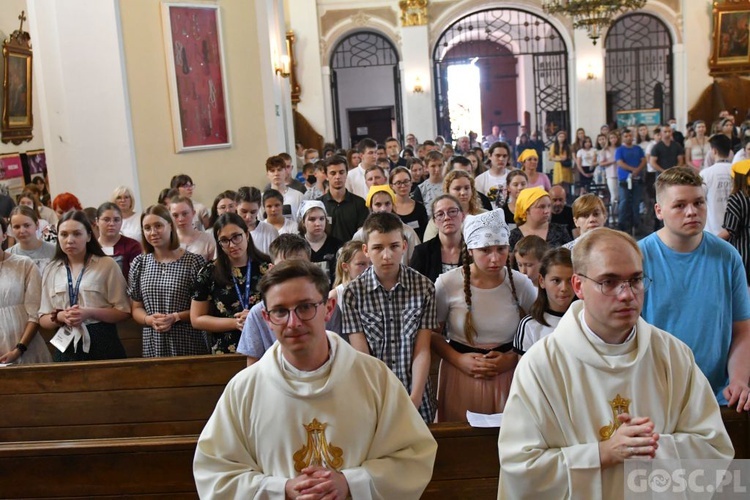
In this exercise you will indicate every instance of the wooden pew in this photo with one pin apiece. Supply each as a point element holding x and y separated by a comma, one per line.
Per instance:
<point>112,399</point>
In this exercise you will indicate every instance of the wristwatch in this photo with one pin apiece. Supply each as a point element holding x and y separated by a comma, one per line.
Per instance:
<point>22,347</point>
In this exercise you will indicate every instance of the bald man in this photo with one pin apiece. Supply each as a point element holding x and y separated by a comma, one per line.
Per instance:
<point>644,395</point>
<point>561,212</point>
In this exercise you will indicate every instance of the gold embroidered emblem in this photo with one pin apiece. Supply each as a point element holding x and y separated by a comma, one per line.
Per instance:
<point>318,451</point>
<point>619,406</point>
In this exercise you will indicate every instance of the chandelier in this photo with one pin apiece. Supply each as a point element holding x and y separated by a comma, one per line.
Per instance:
<point>592,15</point>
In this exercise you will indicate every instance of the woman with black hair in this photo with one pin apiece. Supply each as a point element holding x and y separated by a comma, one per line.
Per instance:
<point>227,287</point>
<point>83,295</point>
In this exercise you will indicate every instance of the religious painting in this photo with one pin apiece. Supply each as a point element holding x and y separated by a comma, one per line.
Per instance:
<point>17,121</point>
<point>731,47</point>
<point>197,83</point>
<point>37,161</point>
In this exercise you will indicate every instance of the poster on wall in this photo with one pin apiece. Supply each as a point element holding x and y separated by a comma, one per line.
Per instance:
<point>635,117</point>
<point>11,173</point>
<point>195,71</point>
<point>10,167</point>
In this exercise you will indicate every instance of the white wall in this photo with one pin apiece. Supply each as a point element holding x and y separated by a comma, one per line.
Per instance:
<point>83,100</point>
<point>363,88</point>
<point>9,12</point>
<point>419,108</point>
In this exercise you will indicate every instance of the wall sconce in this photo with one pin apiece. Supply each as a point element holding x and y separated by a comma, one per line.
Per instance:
<point>283,67</point>
<point>590,75</point>
<point>418,86</point>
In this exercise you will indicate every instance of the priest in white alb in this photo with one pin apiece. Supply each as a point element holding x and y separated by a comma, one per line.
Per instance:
<point>313,418</point>
<point>604,387</point>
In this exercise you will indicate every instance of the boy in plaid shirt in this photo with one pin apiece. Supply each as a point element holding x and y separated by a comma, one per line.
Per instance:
<point>389,310</point>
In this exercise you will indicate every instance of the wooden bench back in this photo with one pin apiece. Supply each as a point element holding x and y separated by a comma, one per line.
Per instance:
<point>112,399</point>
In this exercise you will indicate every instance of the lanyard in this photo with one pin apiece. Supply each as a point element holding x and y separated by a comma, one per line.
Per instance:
<point>244,300</point>
<point>73,292</point>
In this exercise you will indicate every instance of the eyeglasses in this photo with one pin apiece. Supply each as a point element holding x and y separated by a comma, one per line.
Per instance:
<point>401,183</point>
<point>612,288</point>
<point>305,312</point>
<point>451,213</point>
<point>187,186</point>
<point>110,220</point>
<point>235,239</point>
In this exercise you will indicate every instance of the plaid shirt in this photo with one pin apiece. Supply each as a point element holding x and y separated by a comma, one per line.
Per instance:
<point>390,321</point>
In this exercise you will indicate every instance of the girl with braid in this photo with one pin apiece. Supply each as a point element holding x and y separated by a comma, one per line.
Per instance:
<point>479,307</point>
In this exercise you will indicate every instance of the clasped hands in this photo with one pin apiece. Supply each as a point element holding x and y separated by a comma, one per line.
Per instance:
<point>486,365</point>
<point>317,483</point>
<point>635,438</point>
<point>160,322</point>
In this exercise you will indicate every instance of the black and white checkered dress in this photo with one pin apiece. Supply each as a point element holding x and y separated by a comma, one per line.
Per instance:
<point>167,288</point>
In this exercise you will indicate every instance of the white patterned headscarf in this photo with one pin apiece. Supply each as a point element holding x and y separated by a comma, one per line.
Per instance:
<point>308,205</point>
<point>486,230</point>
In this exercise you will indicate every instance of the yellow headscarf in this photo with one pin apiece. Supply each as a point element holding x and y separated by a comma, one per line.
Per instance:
<point>741,167</point>
<point>526,198</point>
<point>377,189</point>
<point>527,153</point>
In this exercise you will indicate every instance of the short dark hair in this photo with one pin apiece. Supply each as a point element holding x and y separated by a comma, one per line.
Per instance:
<point>391,139</point>
<point>382,223</point>
<point>287,244</point>
<point>285,156</point>
<point>461,160</point>
<point>272,194</point>
<point>429,143</point>
<point>291,269</point>
<point>274,162</point>
<point>366,143</point>
<point>721,143</point>
<point>180,180</point>
<point>336,160</point>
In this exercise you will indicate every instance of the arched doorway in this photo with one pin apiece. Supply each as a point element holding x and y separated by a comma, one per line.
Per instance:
<point>639,66</point>
<point>523,72</point>
<point>366,89</point>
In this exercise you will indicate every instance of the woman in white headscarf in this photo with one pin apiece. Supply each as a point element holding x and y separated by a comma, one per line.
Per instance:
<point>479,305</point>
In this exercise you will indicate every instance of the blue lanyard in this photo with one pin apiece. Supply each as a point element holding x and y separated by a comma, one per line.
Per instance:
<point>73,292</point>
<point>244,300</point>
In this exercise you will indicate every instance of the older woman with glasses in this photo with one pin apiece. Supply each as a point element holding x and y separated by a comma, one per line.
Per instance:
<point>411,212</point>
<point>227,288</point>
<point>533,212</point>
<point>438,255</point>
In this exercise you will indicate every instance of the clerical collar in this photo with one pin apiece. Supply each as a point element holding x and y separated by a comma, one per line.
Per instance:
<point>302,374</point>
<point>596,338</point>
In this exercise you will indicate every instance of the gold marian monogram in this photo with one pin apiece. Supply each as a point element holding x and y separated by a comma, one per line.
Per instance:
<point>318,451</point>
<point>619,406</point>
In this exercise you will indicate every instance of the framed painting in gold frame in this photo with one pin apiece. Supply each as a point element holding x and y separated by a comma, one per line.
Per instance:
<point>18,120</point>
<point>730,54</point>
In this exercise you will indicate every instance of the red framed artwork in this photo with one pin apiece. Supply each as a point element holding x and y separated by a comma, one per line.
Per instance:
<point>195,70</point>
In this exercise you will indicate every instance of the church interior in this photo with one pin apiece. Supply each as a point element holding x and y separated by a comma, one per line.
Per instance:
<point>103,106</point>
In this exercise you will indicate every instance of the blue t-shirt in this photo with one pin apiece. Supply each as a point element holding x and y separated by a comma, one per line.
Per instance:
<point>632,157</point>
<point>696,297</point>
